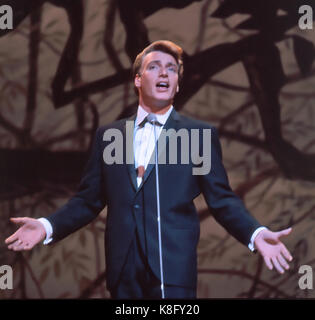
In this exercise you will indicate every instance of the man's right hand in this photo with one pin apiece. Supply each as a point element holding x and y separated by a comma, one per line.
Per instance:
<point>30,233</point>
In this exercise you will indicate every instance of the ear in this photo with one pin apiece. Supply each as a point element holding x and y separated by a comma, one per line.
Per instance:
<point>177,88</point>
<point>138,80</point>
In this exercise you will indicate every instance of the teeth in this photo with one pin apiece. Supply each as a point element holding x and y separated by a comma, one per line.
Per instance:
<point>162,84</point>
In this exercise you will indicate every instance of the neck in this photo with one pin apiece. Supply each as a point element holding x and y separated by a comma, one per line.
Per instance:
<point>157,109</point>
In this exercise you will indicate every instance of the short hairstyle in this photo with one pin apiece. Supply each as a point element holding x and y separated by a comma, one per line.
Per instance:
<point>164,46</point>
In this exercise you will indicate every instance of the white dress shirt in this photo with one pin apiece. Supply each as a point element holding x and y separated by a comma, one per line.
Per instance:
<point>143,148</point>
<point>144,143</point>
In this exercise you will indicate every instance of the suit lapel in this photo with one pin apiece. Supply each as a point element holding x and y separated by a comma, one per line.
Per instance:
<point>130,166</point>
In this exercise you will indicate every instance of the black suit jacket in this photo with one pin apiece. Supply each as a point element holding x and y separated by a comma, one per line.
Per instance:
<point>132,209</point>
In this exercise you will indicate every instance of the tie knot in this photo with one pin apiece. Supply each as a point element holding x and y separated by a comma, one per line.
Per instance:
<point>150,120</point>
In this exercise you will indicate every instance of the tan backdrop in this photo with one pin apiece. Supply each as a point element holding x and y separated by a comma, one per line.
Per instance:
<point>258,170</point>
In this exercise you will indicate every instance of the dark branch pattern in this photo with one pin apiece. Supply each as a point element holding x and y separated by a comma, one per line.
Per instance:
<point>31,168</point>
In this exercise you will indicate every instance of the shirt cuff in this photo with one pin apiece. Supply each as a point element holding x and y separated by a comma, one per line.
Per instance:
<point>251,245</point>
<point>48,228</point>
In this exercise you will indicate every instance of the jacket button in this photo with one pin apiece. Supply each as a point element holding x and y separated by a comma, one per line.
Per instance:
<point>136,206</point>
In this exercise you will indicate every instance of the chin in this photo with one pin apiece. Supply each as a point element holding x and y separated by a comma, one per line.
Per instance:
<point>160,102</point>
<point>166,97</point>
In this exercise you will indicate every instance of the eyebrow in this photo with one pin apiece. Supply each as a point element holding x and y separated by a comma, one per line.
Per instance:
<point>159,62</point>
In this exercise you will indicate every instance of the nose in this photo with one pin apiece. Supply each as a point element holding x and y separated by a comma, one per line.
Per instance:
<point>163,72</point>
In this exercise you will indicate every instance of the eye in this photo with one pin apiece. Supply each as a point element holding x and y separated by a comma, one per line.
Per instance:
<point>152,67</point>
<point>173,69</point>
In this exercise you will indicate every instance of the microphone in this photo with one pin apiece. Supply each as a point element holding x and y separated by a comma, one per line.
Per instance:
<point>153,120</point>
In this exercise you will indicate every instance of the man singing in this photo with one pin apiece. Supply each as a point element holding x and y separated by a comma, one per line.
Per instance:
<point>138,265</point>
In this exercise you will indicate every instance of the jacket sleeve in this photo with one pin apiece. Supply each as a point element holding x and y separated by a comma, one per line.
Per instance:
<point>88,201</point>
<point>226,207</point>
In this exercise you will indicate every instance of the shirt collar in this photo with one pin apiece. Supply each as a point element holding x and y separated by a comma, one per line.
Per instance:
<point>141,114</point>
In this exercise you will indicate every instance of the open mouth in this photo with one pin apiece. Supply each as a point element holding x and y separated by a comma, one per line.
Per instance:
<point>162,85</point>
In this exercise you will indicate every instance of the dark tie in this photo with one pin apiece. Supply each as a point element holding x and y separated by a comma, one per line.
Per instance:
<point>140,171</point>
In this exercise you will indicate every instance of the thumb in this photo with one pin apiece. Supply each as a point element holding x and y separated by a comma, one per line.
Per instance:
<point>19,221</point>
<point>284,232</point>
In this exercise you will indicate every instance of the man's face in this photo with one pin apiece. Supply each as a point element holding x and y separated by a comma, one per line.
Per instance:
<point>158,79</point>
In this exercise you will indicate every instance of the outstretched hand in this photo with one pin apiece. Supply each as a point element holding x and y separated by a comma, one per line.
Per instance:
<point>30,233</point>
<point>274,252</point>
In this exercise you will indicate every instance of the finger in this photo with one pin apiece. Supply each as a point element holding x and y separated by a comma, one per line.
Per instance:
<point>283,262</point>
<point>12,238</point>
<point>27,246</point>
<point>285,252</point>
<point>277,265</point>
<point>16,244</point>
<point>268,263</point>
<point>20,246</point>
<point>11,245</point>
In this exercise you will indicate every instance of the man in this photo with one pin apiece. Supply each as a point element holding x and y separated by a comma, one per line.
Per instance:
<point>136,261</point>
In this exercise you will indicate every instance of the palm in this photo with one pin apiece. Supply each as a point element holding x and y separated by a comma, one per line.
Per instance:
<point>30,233</point>
<point>274,252</point>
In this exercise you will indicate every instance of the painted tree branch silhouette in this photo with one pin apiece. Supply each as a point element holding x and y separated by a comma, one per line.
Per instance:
<point>25,171</point>
<point>259,54</point>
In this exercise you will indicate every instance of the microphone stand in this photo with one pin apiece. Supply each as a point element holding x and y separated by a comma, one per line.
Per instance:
<point>153,120</point>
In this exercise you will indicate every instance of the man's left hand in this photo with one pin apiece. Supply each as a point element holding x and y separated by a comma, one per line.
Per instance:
<point>273,250</point>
